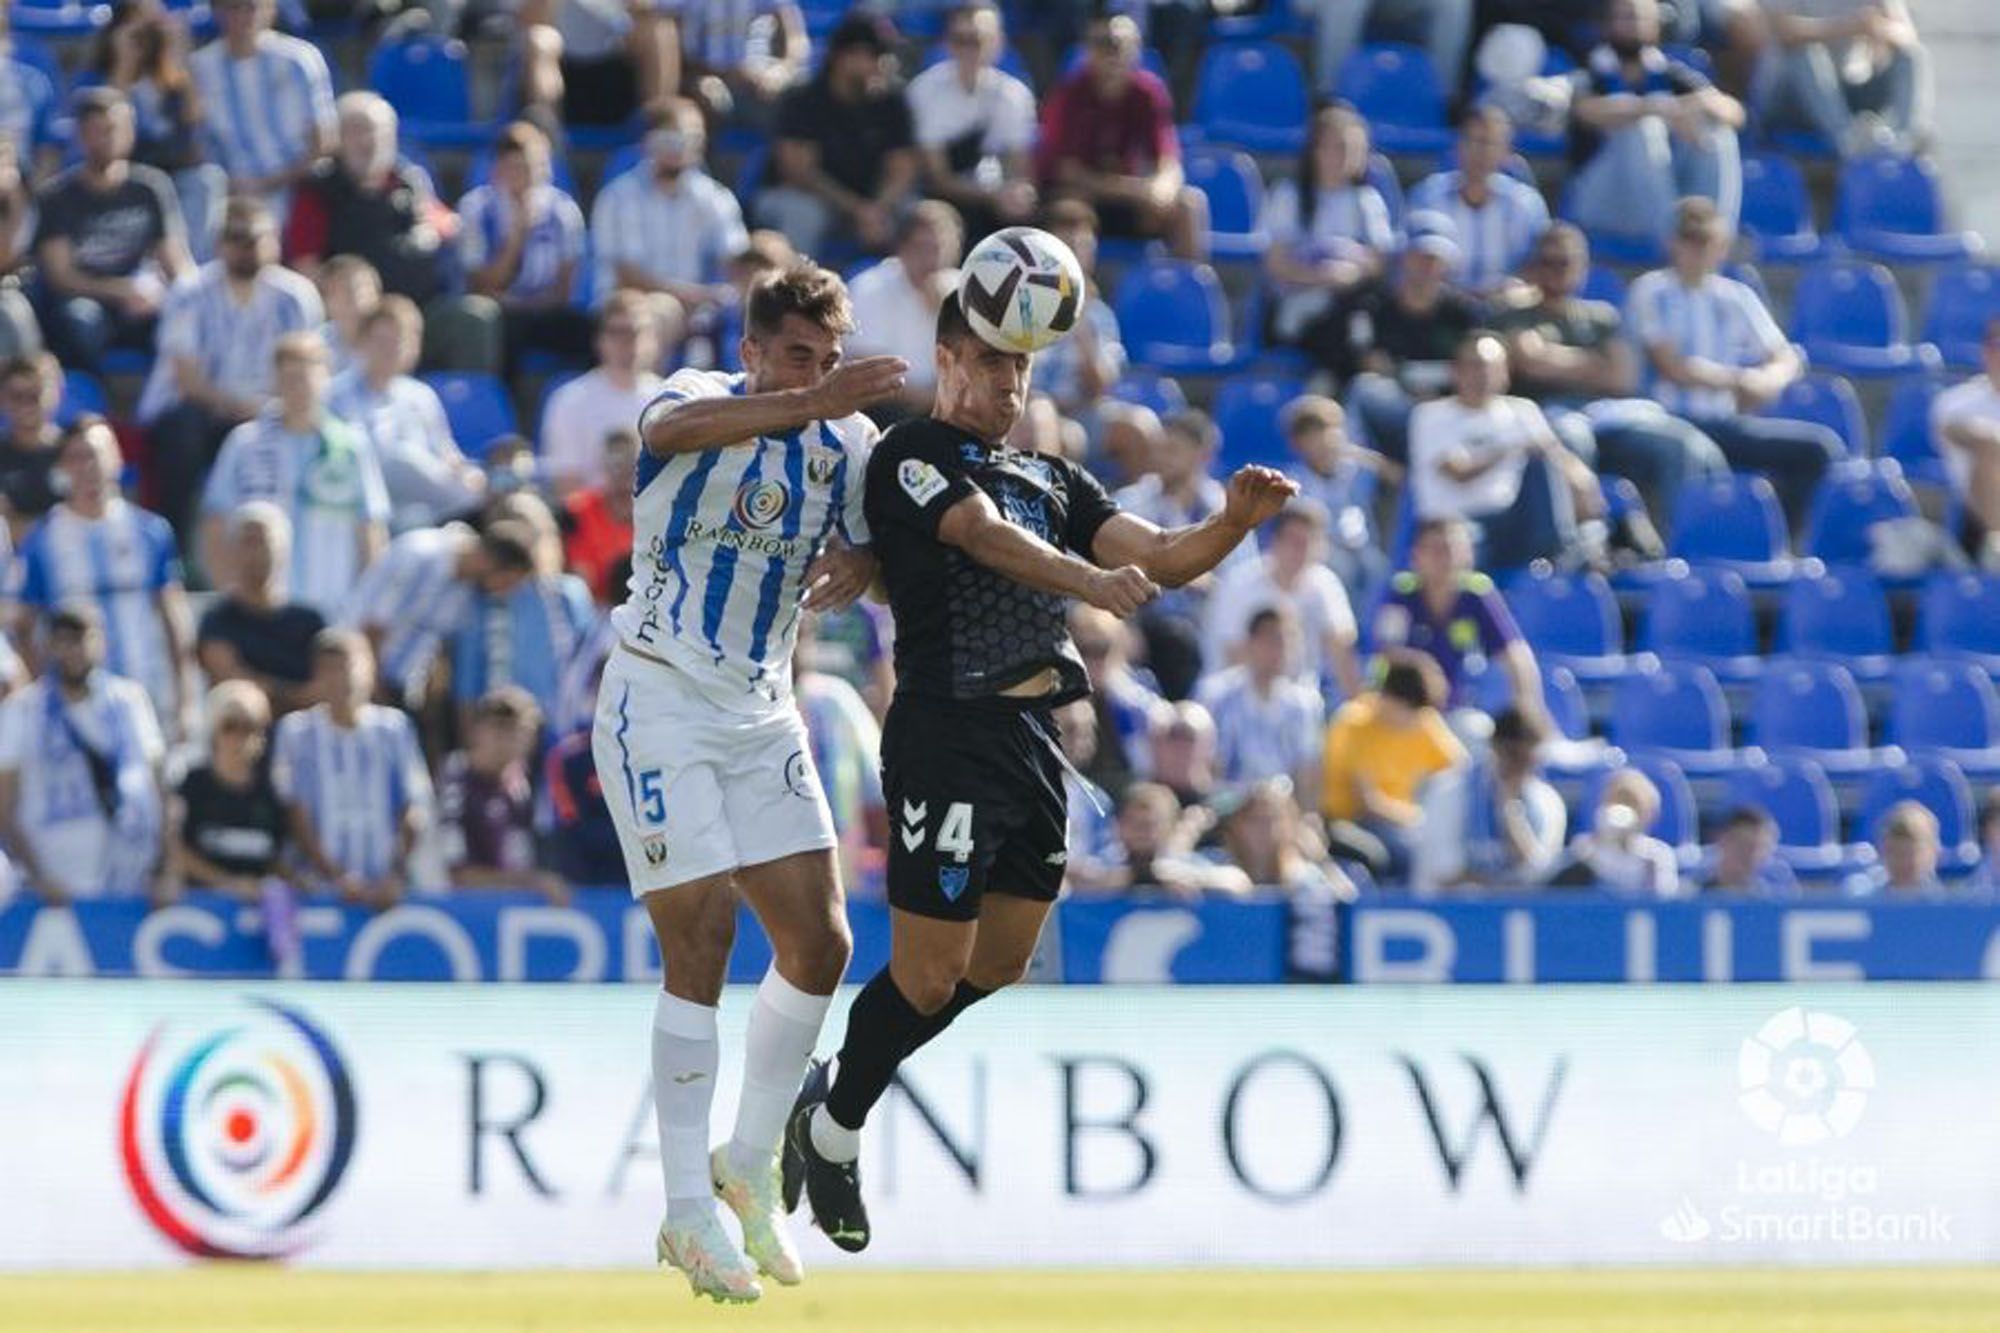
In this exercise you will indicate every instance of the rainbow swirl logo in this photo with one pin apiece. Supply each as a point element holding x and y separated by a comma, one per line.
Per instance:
<point>233,1139</point>
<point>759,504</point>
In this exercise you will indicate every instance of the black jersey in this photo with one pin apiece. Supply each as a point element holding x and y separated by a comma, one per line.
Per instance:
<point>963,631</point>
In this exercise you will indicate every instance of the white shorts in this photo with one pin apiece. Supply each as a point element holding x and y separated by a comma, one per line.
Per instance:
<point>696,790</point>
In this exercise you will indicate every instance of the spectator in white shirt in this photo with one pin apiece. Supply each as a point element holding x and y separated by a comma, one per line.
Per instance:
<point>218,337</point>
<point>1965,425</point>
<point>975,125</point>
<point>1718,358</point>
<point>1617,853</point>
<point>349,287</point>
<point>428,477</point>
<point>608,397</point>
<point>1329,229</point>
<point>896,301</point>
<point>1498,217</point>
<point>1491,459</point>
<point>667,225</point>
<point>521,240</point>
<point>1494,823</point>
<point>1176,490</point>
<point>268,100</point>
<point>1291,572</point>
<point>80,793</point>
<point>1267,724</point>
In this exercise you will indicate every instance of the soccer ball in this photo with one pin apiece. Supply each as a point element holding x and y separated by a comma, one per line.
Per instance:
<point>1021,289</point>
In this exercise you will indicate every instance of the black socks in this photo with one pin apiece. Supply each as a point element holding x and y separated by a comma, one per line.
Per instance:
<point>883,1030</point>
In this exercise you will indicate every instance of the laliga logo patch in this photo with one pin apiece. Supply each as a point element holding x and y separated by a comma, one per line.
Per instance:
<point>232,1139</point>
<point>759,504</point>
<point>919,480</point>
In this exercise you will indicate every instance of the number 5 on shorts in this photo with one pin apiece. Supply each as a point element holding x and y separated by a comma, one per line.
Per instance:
<point>652,797</point>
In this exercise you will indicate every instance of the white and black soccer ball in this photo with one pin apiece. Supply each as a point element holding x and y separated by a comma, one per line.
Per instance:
<point>1021,289</point>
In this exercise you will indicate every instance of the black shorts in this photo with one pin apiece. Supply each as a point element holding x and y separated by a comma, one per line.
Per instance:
<point>976,803</point>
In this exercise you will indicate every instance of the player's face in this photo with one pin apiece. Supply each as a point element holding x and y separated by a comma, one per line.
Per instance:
<point>798,356</point>
<point>983,387</point>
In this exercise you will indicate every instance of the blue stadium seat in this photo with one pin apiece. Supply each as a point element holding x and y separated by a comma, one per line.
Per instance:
<point>477,406</point>
<point>1396,87</point>
<point>1964,299</point>
<point>1252,94</point>
<point>1854,496</point>
<point>1937,784</point>
<point>1825,400</point>
<point>63,18</point>
<point>1842,614</point>
<point>1175,318</point>
<point>1960,617</point>
<point>1850,318</point>
<point>427,79</point>
<point>1906,430</point>
<point>82,392</point>
<point>38,55</point>
<point>1676,824</point>
<point>1676,708</point>
<point>1806,705</point>
<point>1777,211</point>
<point>1948,706</point>
<point>621,161</point>
<point>1566,704</point>
<point>1144,388</point>
<point>1704,615</point>
<point>1603,283</point>
<point>1891,207</point>
<point>1235,191</point>
<point>1794,791</point>
<point>1247,412</point>
<point>1734,520</point>
<point>1571,620</point>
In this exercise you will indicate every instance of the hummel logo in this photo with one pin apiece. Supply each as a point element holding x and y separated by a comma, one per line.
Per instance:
<point>846,1234</point>
<point>913,824</point>
<point>1057,858</point>
<point>692,1076</point>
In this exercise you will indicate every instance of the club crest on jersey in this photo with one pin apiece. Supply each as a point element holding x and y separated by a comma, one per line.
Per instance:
<point>759,504</point>
<point>920,481</point>
<point>821,464</point>
<point>656,850</point>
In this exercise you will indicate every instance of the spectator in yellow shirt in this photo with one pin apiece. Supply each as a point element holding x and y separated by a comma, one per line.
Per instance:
<point>1380,749</point>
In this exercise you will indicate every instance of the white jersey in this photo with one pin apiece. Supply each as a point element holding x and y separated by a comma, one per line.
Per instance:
<point>356,783</point>
<point>414,598</point>
<point>86,849</point>
<point>722,539</point>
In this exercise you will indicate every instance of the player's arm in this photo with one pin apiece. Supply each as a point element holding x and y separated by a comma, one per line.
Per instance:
<point>688,425</point>
<point>1177,556</point>
<point>974,525</point>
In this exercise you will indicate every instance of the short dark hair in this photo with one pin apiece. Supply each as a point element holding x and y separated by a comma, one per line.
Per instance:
<point>509,705</point>
<point>1748,816</point>
<point>1484,111</point>
<point>1512,726</point>
<point>1430,527</point>
<point>1412,677</point>
<point>806,290</point>
<point>75,618</point>
<point>99,101</point>
<point>1071,211</point>
<point>510,544</point>
<point>953,328</point>
<point>1265,617</point>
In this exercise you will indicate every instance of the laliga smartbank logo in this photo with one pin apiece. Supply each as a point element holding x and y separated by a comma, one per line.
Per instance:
<point>233,1137</point>
<point>1805,1079</point>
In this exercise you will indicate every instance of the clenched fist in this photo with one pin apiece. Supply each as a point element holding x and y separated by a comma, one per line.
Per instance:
<point>1257,494</point>
<point>1121,591</point>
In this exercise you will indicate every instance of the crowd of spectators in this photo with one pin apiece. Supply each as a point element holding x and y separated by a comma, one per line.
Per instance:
<point>285,626</point>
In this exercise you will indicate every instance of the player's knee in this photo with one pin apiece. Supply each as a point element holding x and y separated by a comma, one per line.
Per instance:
<point>932,988</point>
<point>816,964</point>
<point>999,974</point>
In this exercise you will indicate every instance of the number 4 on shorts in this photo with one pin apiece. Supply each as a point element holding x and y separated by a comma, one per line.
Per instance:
<point>954,835</point>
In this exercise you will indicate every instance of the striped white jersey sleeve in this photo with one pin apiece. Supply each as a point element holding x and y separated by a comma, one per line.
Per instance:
<point>412,596</point>
<point>262,111</point>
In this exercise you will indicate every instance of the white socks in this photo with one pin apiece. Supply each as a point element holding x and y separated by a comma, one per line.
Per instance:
<point>784,1026</point>
<point>684,1062</point>
<point>834,1141</point>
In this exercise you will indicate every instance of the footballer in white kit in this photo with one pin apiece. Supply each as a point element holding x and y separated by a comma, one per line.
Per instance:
<point>747,510</point>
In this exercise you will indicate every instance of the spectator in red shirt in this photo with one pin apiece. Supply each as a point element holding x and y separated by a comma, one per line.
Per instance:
<point>597,521</point>
<point>1108,136</point>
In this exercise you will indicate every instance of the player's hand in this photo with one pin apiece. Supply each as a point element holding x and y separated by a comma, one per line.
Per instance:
<point>840,574</point>
<point>853,385</point>
<point>1256,494</point>
<point>1121,591</point>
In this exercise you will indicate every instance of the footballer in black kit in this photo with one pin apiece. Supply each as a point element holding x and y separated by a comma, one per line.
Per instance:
<point>981,548</point>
